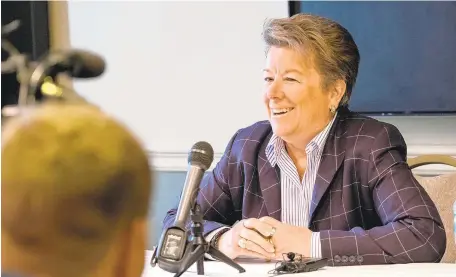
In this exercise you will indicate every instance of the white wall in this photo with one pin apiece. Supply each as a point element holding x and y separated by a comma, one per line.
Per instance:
<point>179,72</point>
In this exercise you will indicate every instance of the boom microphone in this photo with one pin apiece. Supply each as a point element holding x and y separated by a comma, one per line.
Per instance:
<point>74,63</point>
<point>39,78</point>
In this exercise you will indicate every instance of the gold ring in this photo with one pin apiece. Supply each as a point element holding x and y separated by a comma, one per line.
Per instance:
<point>273,230</point>
<point>242,243</point>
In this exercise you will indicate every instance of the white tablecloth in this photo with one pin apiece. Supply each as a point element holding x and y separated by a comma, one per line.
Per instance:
<point>254,269</point>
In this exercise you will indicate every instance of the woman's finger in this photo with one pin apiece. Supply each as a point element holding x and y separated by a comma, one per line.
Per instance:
<point>257,239</point>
<point>263,227</point>
<point>250,248</point>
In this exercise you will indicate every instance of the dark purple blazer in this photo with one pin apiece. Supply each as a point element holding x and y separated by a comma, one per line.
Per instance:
<point>366,203</point>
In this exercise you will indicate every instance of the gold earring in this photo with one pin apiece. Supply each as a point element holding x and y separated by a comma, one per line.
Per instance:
<point>332,109</point>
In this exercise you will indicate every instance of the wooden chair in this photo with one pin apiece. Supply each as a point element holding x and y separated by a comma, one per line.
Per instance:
<point>442,190</point>
<point>431,159</point>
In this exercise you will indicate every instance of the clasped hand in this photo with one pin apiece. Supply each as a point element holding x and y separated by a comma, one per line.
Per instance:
<point>264,238</point>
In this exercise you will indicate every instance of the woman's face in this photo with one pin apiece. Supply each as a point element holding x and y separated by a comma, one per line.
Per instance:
<point>297,106</point>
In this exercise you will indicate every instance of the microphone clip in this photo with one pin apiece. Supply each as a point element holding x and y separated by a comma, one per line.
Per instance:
<point>296,263</point>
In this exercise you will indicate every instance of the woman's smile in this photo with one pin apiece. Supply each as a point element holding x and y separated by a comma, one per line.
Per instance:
<point>280,112</point>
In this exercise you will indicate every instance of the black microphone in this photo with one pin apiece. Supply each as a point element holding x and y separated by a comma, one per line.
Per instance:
<point>173,242</point>
<point>199,160</point>
<point>75,63</point>
<point>37,79</point>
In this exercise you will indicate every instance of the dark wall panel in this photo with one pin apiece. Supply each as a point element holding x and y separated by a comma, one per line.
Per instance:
<point>32,38</point>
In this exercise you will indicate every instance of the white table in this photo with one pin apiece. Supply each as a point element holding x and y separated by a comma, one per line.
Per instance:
<point>254,269</point>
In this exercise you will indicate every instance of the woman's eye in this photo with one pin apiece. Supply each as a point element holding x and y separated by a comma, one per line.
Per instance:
<point>288,79</point>
<point>268,79</point>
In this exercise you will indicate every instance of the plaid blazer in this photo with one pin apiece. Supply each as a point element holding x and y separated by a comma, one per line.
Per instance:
<point>366,204</point>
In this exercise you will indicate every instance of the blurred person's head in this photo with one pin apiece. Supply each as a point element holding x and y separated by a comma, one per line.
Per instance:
<point>75,194</point>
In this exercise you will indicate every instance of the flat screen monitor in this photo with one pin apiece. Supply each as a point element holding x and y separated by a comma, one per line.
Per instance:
<point>408,53</point>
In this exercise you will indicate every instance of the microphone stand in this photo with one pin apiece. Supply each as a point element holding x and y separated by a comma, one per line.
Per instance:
<point>198,248</point>
<point>201,247</point>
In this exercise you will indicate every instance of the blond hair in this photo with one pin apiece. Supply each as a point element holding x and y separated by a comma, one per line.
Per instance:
<point>72,177</point>
<point>327,44</point>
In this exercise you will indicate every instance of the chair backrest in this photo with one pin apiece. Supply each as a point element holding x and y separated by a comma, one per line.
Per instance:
<point>442,190</point>
<point>431,159</point>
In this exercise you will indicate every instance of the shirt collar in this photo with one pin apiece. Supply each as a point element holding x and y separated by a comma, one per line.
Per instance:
<point>276,144</point>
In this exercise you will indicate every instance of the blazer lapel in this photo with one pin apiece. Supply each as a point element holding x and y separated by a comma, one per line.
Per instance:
<point>332,156</point>
<point>269,179</point>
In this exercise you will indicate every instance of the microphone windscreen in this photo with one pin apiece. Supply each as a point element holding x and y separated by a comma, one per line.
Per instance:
<point>85,64</point>
<point>201,154</point>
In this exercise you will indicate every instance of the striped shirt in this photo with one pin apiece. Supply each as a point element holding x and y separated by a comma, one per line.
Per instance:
<point>297,194</point>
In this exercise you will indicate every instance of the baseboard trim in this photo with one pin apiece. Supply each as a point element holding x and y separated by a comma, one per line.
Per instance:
<point>177,161</point>
<point>174,161</point>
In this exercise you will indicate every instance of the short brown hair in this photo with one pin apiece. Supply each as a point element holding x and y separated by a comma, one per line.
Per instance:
<point>331,47</point>
<point>72,178</point>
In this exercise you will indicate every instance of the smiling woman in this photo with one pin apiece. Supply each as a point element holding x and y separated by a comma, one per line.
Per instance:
<point>298,105</point>
<point>324,181</point>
